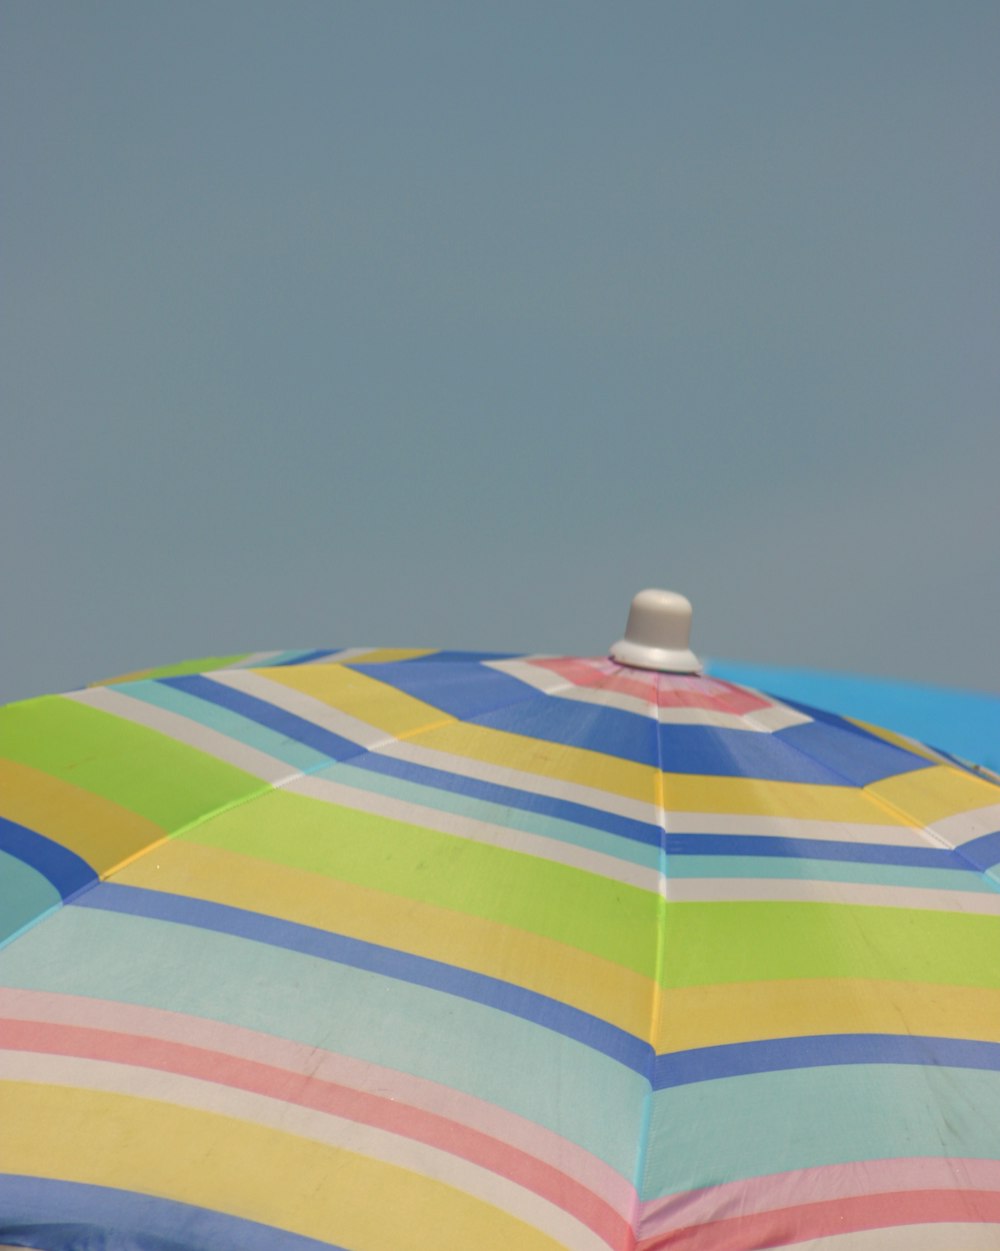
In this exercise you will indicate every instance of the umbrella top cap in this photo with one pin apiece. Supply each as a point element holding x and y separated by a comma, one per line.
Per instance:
<point>657,634</point>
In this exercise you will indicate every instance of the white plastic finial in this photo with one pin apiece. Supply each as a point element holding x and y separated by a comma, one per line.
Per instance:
<point>657,634</point>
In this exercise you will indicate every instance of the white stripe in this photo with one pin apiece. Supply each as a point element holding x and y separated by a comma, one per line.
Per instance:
<point>249,662</point>
<point>193,733</point>
<point>322,1127</point>
<point>794,827</point>
<point>963,827</point>
<point>940,1236</point>
<point>476,831</point>
<point>799,890</point>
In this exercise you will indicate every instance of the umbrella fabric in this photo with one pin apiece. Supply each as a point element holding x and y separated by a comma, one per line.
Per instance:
<point>409,951</point>
<point>965,723</point>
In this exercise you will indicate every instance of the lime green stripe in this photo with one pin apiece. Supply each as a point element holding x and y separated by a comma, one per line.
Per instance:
<point>716,943</point>
<point>203,664</point>
<point>585,910</point>
<point>137,768</point>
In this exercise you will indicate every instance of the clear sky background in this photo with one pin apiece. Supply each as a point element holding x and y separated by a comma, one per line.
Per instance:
<point>336,324</point>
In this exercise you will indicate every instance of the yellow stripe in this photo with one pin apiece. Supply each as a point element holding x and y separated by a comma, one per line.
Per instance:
<point>92,827</point>
<point>387,655</point>
<point>247,1170</point>
<point>403,717</point>
<point>565,973</point>
<point>899,740</point>
<point>929,795</point>
<point>706,1016</point>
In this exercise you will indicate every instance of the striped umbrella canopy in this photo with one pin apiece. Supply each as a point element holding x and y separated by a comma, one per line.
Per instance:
<point>403,951</point>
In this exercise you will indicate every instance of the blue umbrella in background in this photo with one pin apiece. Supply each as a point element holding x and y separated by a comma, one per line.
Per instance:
<point>962,723</point>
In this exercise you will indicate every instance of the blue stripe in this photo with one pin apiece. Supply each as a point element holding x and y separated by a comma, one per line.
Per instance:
<point>849,751</point>
<point>66,871</point>
<point>319,653</point>
<point>706,1064</point>
<point>541,1010</point>
<point>983,852</point>
<point>508,796</point>
<point>72,1216</point>
<point>454,657</point>
<point>813,849</point>
<point>333,746</point>
<point>462,687</point>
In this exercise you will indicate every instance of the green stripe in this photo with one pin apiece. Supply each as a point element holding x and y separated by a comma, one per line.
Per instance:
<point>587,911</point>
<point>203,664</point>
<point>140,769</point>
<point>709,944</point>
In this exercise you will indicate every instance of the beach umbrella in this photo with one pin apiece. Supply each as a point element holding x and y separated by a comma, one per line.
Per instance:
<point>402,951</point>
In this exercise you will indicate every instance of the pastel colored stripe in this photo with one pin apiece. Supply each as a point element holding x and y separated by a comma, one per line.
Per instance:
<point>25,896</point>
<point>981,900</point>
<point>953,1235</point>
<point>757,1195</point>
<point>436,1036</point>
<point>474,1115</point>
<point>879,871</point>
<point>807,1221</point>
<point>66,1215</point>
<point>351,1103</point>
<point>500,951</point>
<point>705,1064</point>
<point>723,943</point>
<point>551,1014</point>
<point>298,1169</point>
<point>847,1112</point>
<point>930,795</point>
<point>704,1016</point>
<point>984,852</point>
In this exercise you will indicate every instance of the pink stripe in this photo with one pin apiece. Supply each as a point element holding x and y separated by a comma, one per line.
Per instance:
<point>381,1111</point>
<point>833,1183</point>
<point>666,690</point>
<point>787,1226</point>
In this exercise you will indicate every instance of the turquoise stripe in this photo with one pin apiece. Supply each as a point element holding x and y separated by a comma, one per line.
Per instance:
<point>215,717</point>
<point>738,1127</point>
<point>25,895</point>
<point>478,809</point>
<point>537,1073</point>
<point>828,871</point>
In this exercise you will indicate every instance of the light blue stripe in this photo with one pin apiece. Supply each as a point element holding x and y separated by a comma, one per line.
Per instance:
<point>483,810</point>
<point>737,1127</point>
<point>828,871</point>
<point>215,717</point>
<point>537,1073</point>
<point>25,894</point>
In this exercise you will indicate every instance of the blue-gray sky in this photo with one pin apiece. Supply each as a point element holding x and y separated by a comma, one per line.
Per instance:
<point>332,324</point>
